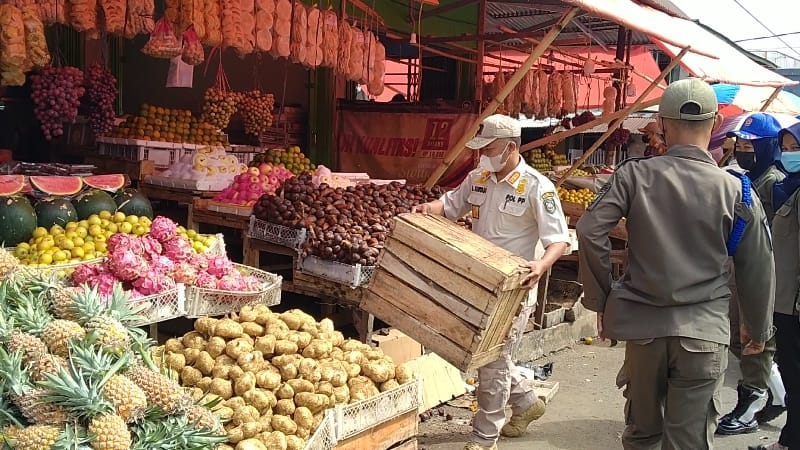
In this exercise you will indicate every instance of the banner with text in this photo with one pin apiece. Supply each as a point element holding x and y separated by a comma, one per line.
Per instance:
<point>400,145</point>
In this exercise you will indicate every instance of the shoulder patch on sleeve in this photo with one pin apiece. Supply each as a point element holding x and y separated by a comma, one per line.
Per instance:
<point>549,202</point>
<point>600,194</point>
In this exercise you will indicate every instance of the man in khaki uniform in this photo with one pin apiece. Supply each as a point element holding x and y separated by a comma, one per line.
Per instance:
<point>671,306</point>
<point>514,207</point>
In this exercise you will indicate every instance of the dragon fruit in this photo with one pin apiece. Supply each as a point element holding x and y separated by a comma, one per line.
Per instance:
<point>162,265</point>
<point>85,273</point>
<point>105,282</point>
<point>199,262</point>
<point>126,264</point>
<point>251,283</point>
<point>152,247</point>
<point>153,283</point>
<point>121,241</point>
<point>178,249</point>
<point>219,266</point>
<point>230,283</point>
<point>163,229</point>
<point>205,280</point>
<point>185,273</point>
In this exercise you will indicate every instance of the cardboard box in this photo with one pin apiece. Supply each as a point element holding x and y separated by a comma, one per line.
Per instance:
<point>397,345</point>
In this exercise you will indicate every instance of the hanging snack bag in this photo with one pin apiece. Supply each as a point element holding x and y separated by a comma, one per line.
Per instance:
<point>162,43</point>
<point>192,48</point>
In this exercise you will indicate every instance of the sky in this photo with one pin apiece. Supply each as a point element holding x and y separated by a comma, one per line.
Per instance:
<point>730,19</point>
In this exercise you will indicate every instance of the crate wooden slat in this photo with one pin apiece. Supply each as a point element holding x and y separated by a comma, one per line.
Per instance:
<point>454,291</point>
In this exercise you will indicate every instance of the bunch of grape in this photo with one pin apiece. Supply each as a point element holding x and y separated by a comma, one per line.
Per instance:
<point>218,107</point>
<point>101,90</point>
<point>56,93</point>
<point>618,137</point>
<point>582,118</point>
<point>256,108</point>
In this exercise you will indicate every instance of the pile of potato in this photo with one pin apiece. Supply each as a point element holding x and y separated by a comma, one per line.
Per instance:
<point>276,374</point>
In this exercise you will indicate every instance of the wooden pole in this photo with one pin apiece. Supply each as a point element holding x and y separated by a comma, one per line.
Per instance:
<point>771,98</point>
<point>459,147</point>
<point>481,51</point>
<point>616,123</point>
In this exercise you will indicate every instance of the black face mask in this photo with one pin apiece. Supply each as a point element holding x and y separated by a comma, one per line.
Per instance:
<point>746,160</point>
<point>645,139</point>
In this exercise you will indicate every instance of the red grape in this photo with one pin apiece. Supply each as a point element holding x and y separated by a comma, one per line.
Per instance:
<point>56,93</point>
<point>101,91</point>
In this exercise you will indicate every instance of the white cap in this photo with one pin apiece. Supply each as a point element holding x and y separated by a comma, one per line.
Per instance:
<point>495,127</point>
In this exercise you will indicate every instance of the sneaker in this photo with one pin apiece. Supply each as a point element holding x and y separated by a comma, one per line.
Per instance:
<point>773,446</point>
<point>771,411</point>
<point>518,423</point>
<point>476,446</point>
<point>742,419</point>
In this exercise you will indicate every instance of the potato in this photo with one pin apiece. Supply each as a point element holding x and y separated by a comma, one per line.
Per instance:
<point>285,407</point>
<point>354,357</point>
<point>341,394</point>
<point>389,385</point>
<point>252,329</point>
<point>283,424</point>
<point>265,344</point>
<point>299,385</point>
<point>335,337</point>
<point>352,344</point>
<point>362,388</point>
<point>266,422</point>
<point>251,362</point>
<point>245,414</point>
<point>204,363</point>
<point>205,325</point>
<point>303,418</point>
<point>285,391</point>
<point>235,373</point>
<point>262,399</point>
<point>288,372</point>
<point>324,387</point>
<point>216,346</point>
<point>318,349</point>
<point>247,314</point>
<point>191,354</point>
<point>318,420</point>
<point>197,394</point>
<point>224,413</point>
<point>277,328</point>
<point>222,371</point>
<point>326,325</point>
<point>285,347</point>
<point>235,403</point>
<point>379,371</point>
<point>175,361</point>
<point>238,347</point>
<point>374,354</point>
<point>244,383</point>
<point>221,387</point>
<point>223,447</point>
<point>205,383</point>
<point>276,441</point>
<point>294,443</point>
<point>193,339</point>
<point>303,339</point>
<point>314,402</point>
<point>311,329</point>
<point>251,429</point>
<point>353,370</point>
<point>173,346</point>
<point>302,433</point>
<point>295,318</point>
<point>337,354</point>
<point>228,328</point>
<point>250,444</point>
<point>235,435</point>
<point>190,376</point>
<point>268,379</point>
<point>403,373</point>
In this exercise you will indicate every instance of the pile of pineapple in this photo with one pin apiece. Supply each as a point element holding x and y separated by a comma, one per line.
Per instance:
<point>74,376</point>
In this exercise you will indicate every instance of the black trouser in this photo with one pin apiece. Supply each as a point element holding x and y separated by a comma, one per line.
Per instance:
<point>788,340</point>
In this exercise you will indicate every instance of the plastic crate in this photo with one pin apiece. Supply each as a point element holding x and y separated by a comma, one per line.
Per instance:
<point>350,275</point>
<point>218,247</point>
<point>160,307</point>
<point>201,302</point>
<point>324,437</point>
<point>293,238</point>
<point>362,415</point>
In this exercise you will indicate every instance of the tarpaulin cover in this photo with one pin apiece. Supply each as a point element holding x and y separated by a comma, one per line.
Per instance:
<point>736,99</point>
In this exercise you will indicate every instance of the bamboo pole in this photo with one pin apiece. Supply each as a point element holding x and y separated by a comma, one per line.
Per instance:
<point>459,147</point>
<point>772,97</point>
<point>616,123</point>
<point>481,52</point>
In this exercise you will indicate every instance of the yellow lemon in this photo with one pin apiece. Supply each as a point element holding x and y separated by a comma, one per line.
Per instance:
<point>112,227</point>
<point>89,256</point>
<point>44,245</point>
<point>71,226</point>
<point>94,219</point>
<point>125,227</point>
<point>144,220</point>
<point>59,256</point>
<point>46,259</point>
<point>198,247</point>
<point>95,230</point>
<point>104,223</point>
<point>40,232</point>
<point>105,215</point>
<point>77,252</point>
<point>132,219</point>
<point>119,217</point>
<point>588,340</point>
<point>78,242</point>
<point>101,247</point>
<point>21,253</point>
<point>139,230</point>
<point>181,229</point>
<point>89,247</point>
<point>191,233</point>
<point>82,232</point>
<point>67,244</point>
<point>83,224</point>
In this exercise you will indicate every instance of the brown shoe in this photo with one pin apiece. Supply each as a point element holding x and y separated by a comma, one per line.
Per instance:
<point>518,423</point>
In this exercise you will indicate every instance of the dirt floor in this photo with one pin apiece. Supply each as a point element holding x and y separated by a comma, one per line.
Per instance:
<point>586,413</point>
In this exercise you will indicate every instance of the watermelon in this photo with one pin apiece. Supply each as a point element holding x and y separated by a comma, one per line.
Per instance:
<point>11,184</point>
<point>55,211</point>
<point>111,183</point>
<point>57,185</point>
<point>93,202</point>
<point>131,201</point>
<point>18,219</point>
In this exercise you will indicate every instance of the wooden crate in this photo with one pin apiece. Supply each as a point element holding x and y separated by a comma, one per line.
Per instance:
<point>453,291</point>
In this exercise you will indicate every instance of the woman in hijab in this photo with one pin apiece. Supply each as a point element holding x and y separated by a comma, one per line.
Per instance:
<point>786,247</point>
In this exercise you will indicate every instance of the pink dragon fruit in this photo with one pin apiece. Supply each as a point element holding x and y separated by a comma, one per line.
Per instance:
<point>162,265</point>
<point>163,229</point>
<point>152,247</point>
<point>205,280</point>
<point>199,262</point>
<point>153,283</point>
<point>251,283</point>
<point>230,283</point>
<point>219,266</point>
<point>126,264</point>
<point>134,294</point>
<point>121,241</point>
<point>104,281</point>
<point>185,273</point>
<point>85,273</point>
<point>178,249</point>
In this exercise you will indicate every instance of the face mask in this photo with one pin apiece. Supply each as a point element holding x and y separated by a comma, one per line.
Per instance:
<point>791,161</point>
<point>493,163</point>
<point>746,160</point>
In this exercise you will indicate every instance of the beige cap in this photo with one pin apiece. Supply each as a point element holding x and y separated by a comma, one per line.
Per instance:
<point>495,127</point>
<point>691,91</point>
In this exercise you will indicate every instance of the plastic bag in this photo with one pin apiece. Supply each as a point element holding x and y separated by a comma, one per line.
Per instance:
<point>180,75</point>
<point>192,48</point>
<point>162,43</point>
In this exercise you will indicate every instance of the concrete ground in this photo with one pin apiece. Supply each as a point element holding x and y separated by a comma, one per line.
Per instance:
<point>586,413</point>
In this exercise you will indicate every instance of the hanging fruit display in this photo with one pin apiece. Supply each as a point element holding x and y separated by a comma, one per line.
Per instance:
<point>56,93</point>
<point>13,54</point>
<point>101,91</point>
<point>256,109</point>
<point>218,107</point>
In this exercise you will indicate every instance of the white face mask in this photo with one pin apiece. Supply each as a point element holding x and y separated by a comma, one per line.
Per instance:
<point>493,163</point>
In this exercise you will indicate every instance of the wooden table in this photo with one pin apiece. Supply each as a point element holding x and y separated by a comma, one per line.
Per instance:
<point>181,196</point>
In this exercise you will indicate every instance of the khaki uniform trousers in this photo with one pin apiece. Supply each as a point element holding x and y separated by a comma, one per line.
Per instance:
<point>500,383</point>
<point>671,386</point>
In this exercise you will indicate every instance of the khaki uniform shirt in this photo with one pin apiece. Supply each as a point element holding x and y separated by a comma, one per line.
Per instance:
<point>680,209</point>
<point>786,232</point>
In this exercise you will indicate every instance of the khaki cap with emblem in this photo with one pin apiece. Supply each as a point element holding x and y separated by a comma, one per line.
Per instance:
<point>495,127</point>
<point>682,93</point>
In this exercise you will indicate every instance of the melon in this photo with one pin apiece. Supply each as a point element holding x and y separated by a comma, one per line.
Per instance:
<point>18,219</point>
<point>55,211</point>
<point>57,185</point>
<point>93,202</point>
<point>111,183</point>
<point>11,184</point>
<point>131,201</point>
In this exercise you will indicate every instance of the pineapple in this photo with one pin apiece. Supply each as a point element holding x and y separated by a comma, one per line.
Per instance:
<point>110,432</point>
<point>30,400</point>
<point>160,391</point>
<point>37,437</point>
<point>58,333</point>
<point>9,264</point>
<point>62,302</point>
<point>160,430</point>
<point>105,319</point>
<point>202,418</point>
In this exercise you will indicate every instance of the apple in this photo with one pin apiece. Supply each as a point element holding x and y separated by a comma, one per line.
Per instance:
<point>254,187</point>
<point>254,171</point>
<point>265,168</point>
<point>274,181</point>
<point>254,179</point>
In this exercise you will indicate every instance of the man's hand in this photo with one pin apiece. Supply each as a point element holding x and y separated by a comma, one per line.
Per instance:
<point>749,347</point>
<point>537,269</point>
<point>424,208</point>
